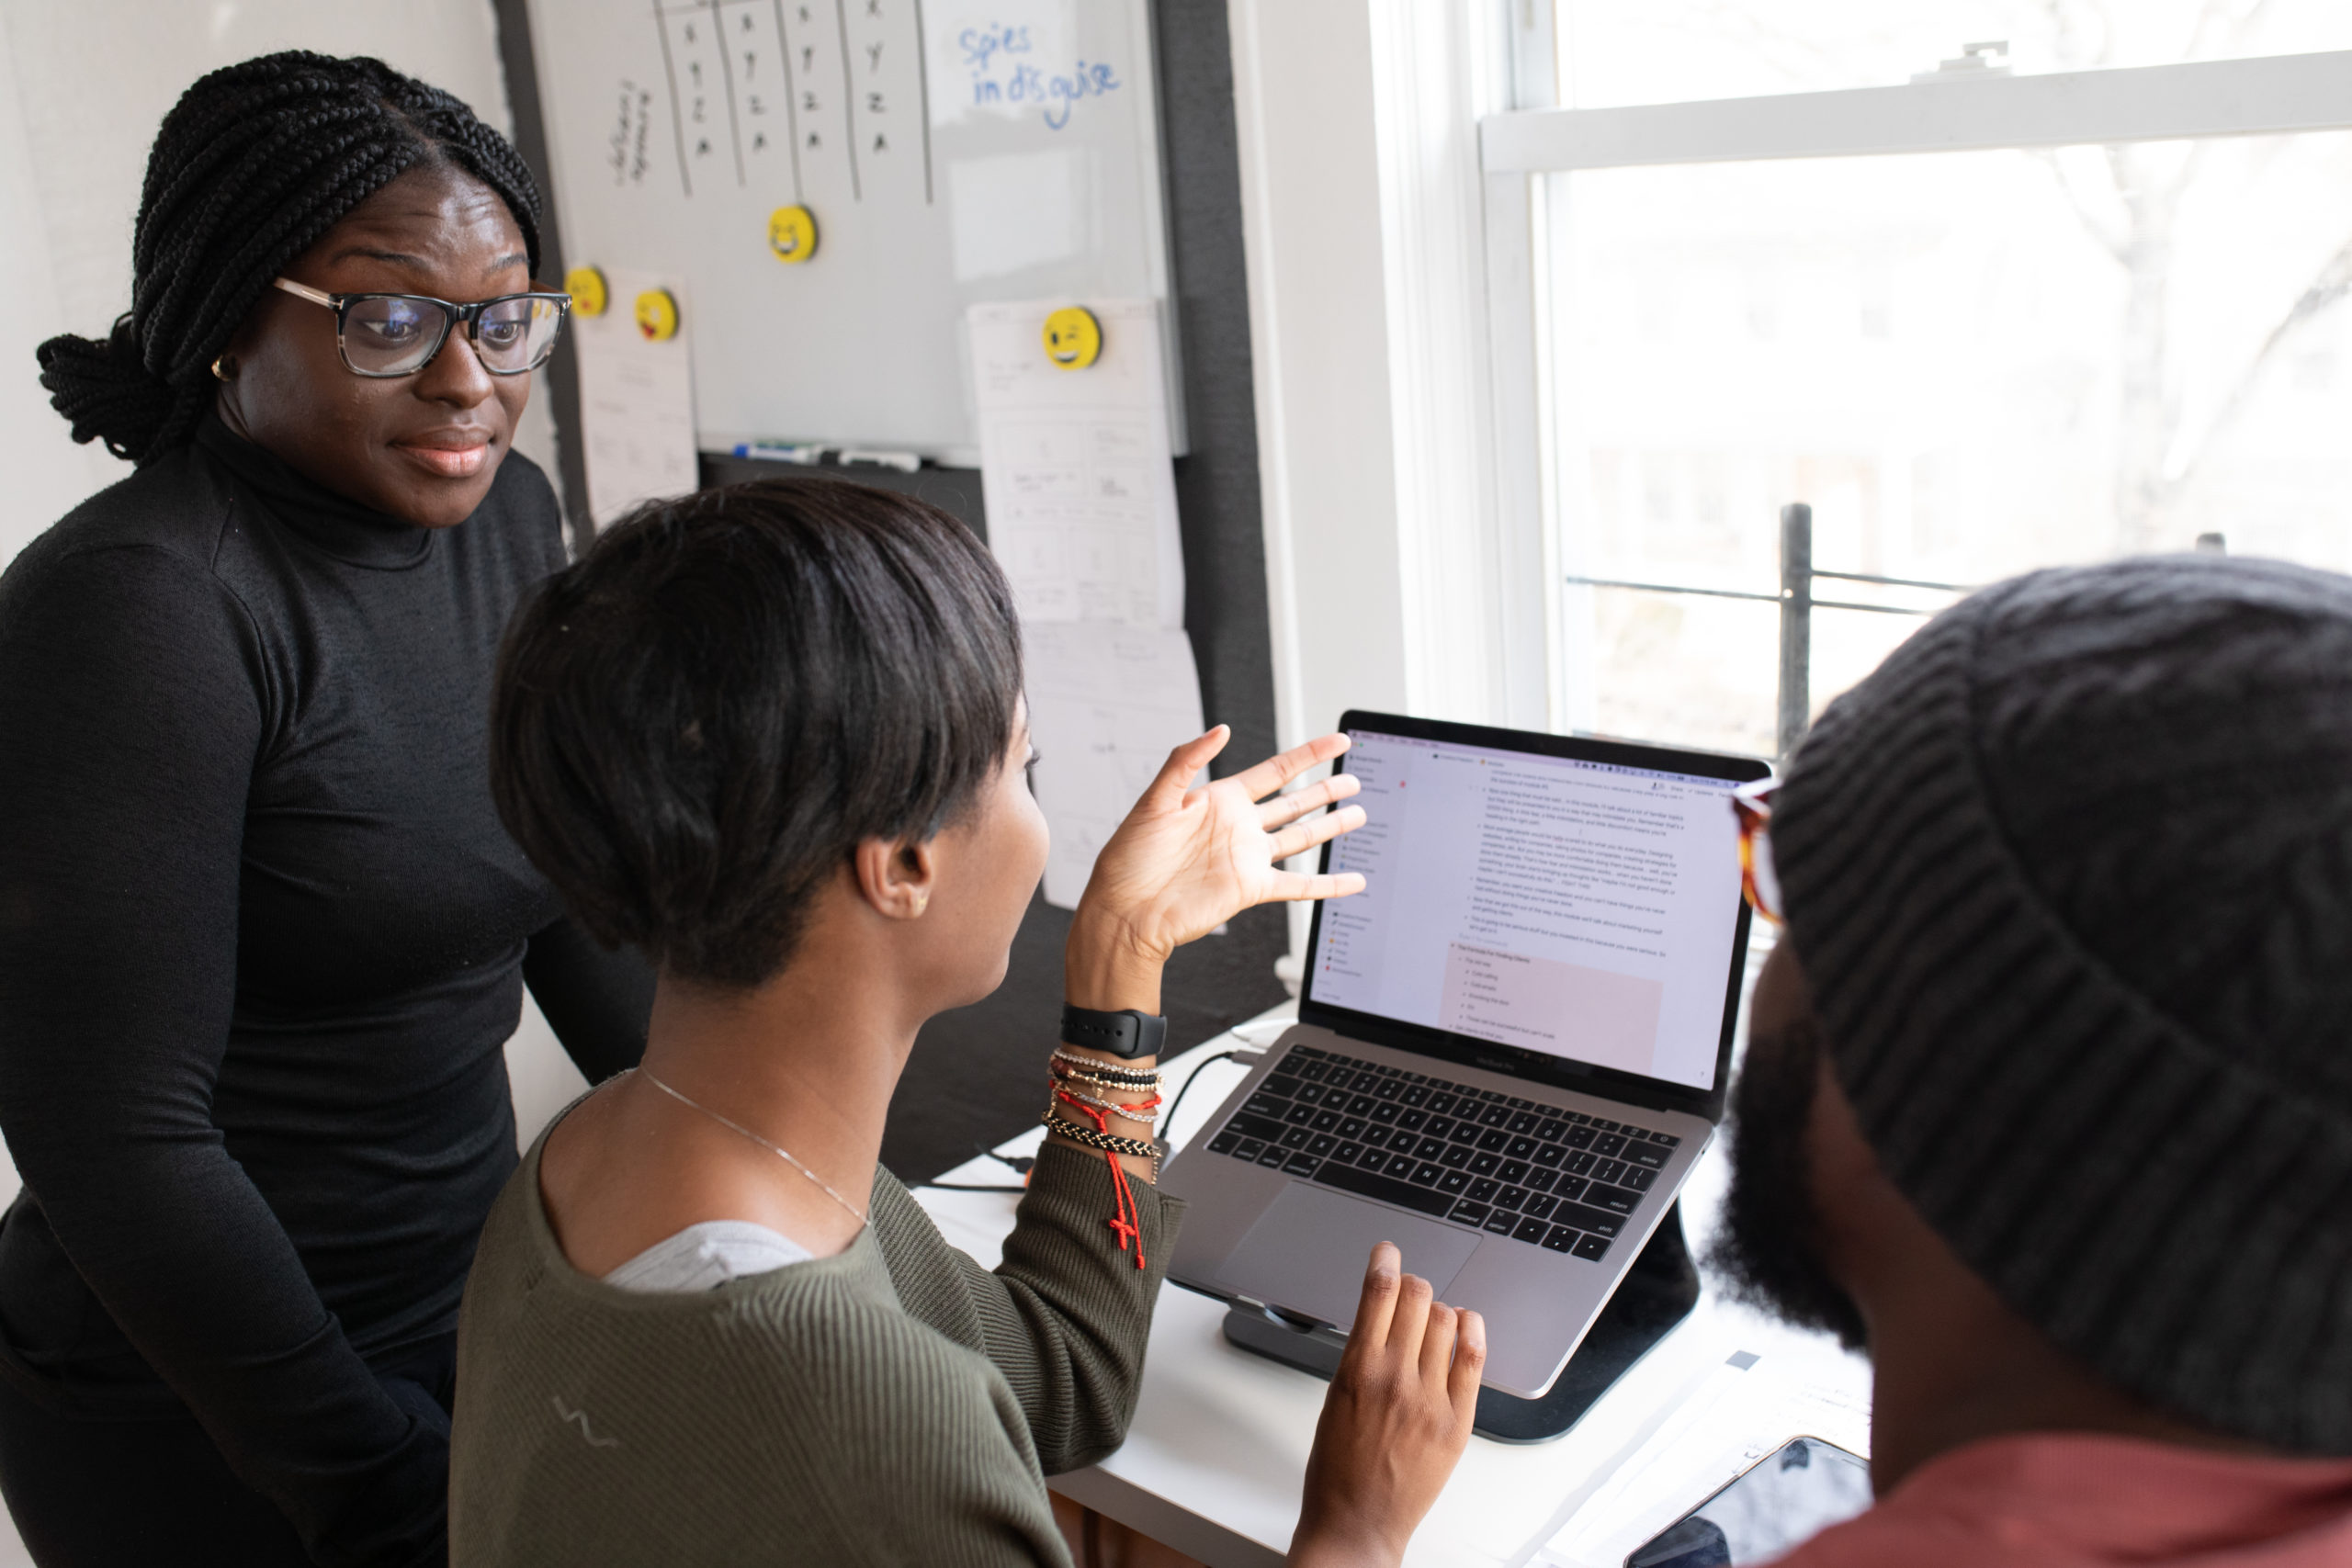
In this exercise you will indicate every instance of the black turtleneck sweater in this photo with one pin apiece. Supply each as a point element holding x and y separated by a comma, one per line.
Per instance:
<point>262,939</point>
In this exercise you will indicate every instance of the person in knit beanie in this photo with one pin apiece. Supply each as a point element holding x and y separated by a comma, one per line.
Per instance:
<point>2048,1102</point>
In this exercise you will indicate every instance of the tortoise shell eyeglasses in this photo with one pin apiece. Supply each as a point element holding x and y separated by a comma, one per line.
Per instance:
<point>1760,881</point>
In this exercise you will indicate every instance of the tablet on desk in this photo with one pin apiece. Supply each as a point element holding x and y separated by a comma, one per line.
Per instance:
<point>1781,1501</point>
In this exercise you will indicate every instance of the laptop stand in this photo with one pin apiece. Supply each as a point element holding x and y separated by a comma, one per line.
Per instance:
<point>1657,1294</point>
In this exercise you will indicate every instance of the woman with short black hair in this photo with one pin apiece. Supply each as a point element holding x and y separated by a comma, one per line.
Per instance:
<point>262,937</point>
<point>772,735</point>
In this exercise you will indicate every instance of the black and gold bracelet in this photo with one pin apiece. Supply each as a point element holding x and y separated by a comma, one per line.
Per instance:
<point>1112,1073</point>
<point>1109,1143</point>
<point>1150,1091</point>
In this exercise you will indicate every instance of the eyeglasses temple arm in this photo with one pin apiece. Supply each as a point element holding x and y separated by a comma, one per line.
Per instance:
<point>302,291</point>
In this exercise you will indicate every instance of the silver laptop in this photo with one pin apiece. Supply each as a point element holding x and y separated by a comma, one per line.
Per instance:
<point>1511,1046</point>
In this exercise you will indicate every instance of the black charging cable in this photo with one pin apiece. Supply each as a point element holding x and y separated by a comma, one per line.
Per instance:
<point>1019,1163</point>
<point>1170,1120</point>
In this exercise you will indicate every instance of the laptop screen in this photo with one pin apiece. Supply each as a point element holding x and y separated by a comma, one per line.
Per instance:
<point>1580,910</point>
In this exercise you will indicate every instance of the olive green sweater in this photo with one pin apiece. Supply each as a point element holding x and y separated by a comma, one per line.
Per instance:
<point>894,1403</point>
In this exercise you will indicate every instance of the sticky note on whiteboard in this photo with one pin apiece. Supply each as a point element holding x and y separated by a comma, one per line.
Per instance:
<point>636,400</point>
<point>1107,702</point>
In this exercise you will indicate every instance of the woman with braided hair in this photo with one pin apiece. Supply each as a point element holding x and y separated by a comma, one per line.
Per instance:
<point>262,937</point>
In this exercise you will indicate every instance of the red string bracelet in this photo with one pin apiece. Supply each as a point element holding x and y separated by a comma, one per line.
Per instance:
<point>1126,1219</point>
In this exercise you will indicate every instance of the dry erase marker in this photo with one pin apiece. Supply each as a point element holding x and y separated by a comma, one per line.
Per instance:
<point>781,451</point>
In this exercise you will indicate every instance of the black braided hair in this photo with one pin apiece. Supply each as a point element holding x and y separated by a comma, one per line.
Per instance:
<point>254,164</point>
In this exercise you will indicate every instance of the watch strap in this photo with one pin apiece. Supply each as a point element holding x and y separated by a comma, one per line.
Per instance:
<point>1127,1036</point>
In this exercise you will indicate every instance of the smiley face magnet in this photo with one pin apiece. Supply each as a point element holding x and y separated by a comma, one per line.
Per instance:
<point>656,315</point>
<point>586,286</point>
<point>1073,337</point>
<point>792,233</point>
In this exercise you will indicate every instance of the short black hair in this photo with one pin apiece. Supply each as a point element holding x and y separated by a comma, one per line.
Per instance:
<point>698,722</point>
<point>254,164</point>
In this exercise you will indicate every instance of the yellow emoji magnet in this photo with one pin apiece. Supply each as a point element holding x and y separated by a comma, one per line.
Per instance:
<point>1073,337</point>
<point>792,233</point>
<point>656,315</point>
<point>586,286</point>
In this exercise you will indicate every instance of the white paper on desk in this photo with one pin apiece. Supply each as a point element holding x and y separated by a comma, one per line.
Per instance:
<point>1074,467</point>
<point>637,401</point>
<point>1107,702</point>
<point>1731,1417</point>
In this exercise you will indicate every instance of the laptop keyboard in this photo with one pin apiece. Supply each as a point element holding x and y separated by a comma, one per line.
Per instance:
<point>1535,1173</point>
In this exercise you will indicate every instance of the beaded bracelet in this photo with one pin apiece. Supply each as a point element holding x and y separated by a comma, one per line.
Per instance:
<point>1109,1143</point>
<point>1143,1110</point>
<point>1128,1078</point>
<point>1144,1093</point>
<point>1150,1091</point>
<point>1062,1072</point>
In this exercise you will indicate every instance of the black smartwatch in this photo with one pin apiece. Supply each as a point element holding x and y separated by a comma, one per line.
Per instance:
<point>1126,1035</point>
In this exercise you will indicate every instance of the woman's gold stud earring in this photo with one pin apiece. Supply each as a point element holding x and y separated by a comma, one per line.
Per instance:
<point>224,368</point>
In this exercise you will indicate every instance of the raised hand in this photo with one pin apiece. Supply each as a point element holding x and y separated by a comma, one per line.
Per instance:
<point>1394,1424</point>
<point>1187,860</point>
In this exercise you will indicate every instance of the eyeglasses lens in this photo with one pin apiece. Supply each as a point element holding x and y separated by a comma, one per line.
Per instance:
<point>389,334</point>
<point>517,334</point>
<point>1760,878</point>
<point>1763,876</point>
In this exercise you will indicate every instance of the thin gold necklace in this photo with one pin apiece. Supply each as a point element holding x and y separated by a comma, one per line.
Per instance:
<point>775,1148</point>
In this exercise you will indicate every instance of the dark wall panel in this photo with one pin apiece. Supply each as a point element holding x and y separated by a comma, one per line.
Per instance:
<point>1216,483</point>
<point>561,383</point>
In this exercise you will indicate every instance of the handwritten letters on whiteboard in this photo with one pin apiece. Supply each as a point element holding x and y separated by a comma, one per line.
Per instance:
<point>821,98</point>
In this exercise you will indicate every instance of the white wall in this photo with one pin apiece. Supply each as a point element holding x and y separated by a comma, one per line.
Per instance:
<point>48,473</point>
<point>83,86</point>
<point>543,1077</point>
<point>1303,114</point>
<point>1393,569</point>
<point>1364,220</point>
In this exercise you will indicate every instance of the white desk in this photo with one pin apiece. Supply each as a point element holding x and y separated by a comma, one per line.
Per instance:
<point>1212,1462</point>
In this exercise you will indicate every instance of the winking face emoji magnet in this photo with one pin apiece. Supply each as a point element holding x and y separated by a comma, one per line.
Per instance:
<point>1073,337</point>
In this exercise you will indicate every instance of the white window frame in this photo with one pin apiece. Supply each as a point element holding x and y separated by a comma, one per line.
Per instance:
<point>2260,96</point>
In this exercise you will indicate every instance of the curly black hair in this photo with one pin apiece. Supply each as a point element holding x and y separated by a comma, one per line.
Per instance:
<point>254,164</point>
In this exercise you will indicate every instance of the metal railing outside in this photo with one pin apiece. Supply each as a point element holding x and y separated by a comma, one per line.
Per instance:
<point>1797,601</point>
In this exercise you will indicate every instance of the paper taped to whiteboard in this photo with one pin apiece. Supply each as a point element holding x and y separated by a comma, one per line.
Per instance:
<point>1107,702</point>
<point>1075,467</point>
<point>636,400</point>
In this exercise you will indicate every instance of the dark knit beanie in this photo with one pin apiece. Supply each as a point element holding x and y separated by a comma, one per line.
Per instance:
<point>2070,876</point>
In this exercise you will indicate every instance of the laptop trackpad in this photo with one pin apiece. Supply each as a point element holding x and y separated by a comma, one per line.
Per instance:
<point>1308,1251</point>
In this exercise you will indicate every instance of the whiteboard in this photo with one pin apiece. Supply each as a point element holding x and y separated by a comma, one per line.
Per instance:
<point>949,151</point>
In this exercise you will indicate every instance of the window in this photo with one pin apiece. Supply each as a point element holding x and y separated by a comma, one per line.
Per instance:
<point>2123,331</point>
<point>1646,51</point>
